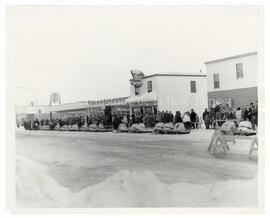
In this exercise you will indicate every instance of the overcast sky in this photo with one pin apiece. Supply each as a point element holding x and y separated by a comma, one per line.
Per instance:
<point>86,53</point>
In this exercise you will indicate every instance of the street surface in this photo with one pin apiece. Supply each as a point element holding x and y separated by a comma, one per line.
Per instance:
<point>77,160</point>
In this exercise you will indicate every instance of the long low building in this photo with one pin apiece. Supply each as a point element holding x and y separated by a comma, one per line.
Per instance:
<point>93,108</point>
<point>81,108</point>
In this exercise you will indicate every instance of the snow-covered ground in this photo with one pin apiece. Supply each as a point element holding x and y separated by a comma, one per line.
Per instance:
<point>78,169</point>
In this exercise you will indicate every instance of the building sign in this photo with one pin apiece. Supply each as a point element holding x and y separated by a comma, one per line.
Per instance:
<point>137,78</point>
<point>226,102</point>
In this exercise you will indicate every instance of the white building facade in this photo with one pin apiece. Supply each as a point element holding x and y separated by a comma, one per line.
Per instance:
<point>169,92</point>
<point>232,80</point>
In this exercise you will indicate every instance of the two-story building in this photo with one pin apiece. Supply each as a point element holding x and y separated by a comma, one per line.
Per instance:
<point>232,80</point>
<point>167,92</point>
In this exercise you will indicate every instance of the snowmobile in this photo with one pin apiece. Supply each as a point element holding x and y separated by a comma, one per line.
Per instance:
<point>45,127</point>
<point>139,128</point>
<point>98,128</point>
<point>169,128</point>
<point>123,128</point>
<point>245,128</point>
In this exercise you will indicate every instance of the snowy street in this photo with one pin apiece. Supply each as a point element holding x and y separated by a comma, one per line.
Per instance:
<point>78,160</point>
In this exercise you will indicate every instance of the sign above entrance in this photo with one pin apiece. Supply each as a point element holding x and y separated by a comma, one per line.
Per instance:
<point>224,102</point>
<point>137,78</point>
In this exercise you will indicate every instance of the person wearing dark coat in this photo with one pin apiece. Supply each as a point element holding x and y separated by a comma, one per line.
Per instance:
<point>178,118</point>
<point>256,114</point>
<point>115,122</point>
<point>245,113</point>
<point>193,119</point>
<point>163,118</point>
<point>166,117</point>
<point>141,115</point>
<point>133,118</point>
<point>158,117</point>
<point>206,118</point>
<point>170,117</point>
<point>128,120</point>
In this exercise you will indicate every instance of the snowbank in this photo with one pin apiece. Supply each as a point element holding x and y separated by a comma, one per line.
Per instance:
<point>35,188</point>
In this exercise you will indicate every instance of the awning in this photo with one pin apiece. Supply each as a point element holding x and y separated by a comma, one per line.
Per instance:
<point>144,98</point>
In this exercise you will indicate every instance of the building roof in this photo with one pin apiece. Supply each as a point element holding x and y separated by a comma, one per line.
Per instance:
<point>177,74</point>
<point>89,104</point>
<point>231,57</point>
<point>146,97</point>
<point>72,106</point>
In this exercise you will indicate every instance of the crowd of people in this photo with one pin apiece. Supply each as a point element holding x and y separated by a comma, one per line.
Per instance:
<point>190,119</point>
<point>69,121</point>
<point>216,116</point>
<point>150,120</point>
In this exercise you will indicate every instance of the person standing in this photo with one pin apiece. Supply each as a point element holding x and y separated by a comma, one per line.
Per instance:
<point>128,120</point>
<point>163,117</point>
<point>245,112</point>
<point>238,115</point>
<point>171,117</point>
<point>158,117</point>
<point>115,122</point>
<point>252,115</point>
<point>167,119</point>
<point>125,120</point>
<point>206,118</point>
<point>141,116</point>
<point>193,119</point>
<point>133,118</point>
<point>186,120</point>
<point>212,117</point>
<point>178,118</point>
<point>256,114</point>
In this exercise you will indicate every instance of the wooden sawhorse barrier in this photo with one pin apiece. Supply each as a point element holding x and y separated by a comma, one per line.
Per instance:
<point>220,140</point>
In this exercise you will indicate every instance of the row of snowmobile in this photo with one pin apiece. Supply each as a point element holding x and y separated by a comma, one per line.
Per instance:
<point>160,128</point>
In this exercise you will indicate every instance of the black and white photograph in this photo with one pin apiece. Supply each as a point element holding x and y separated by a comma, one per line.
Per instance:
<point>135,106</point>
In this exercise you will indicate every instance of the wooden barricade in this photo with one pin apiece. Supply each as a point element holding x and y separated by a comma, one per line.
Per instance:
<point>220,140</point>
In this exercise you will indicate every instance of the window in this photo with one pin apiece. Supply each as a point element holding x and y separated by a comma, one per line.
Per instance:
<point>193,86</point>
<point>216,81</point>
<point>239,70</point>
<point>149,86</point>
